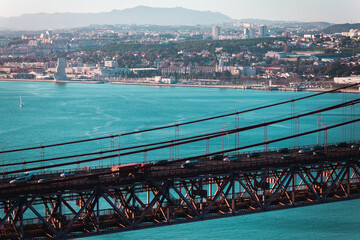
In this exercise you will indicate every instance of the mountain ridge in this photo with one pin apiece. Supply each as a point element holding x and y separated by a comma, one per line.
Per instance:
<point>321,24</point>
<point>137,15</point>
<point>337,28</point>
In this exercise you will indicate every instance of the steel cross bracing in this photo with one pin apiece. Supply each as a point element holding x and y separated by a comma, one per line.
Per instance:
<point>170,195</point>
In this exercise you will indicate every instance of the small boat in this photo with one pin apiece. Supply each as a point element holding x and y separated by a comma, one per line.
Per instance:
<point>21,105</point>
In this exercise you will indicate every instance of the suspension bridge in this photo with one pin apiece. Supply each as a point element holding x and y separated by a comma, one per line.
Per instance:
<point>60,196</point>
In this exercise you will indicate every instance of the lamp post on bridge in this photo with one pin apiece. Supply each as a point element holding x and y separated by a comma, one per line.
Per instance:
<point>2,151</point>
<point>118,145</point>
<point>318,126</point>
<point>325,133</point>
<point>222,138</point>
<point>228,140</point>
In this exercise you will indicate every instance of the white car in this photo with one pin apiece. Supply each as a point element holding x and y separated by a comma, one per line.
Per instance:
<point>18,180</point>
<point>305,151</point>
<point>189,163</point>
<point>67,174</point>
<point>356,145</point>
<point>230,159</point>
<point>28,176</point>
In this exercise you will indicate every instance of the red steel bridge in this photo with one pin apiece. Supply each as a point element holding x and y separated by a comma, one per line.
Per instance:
<point>87,201</point>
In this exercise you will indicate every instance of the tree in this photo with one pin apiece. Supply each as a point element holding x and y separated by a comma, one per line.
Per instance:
<point>287,49</point>
<point>225,76</point>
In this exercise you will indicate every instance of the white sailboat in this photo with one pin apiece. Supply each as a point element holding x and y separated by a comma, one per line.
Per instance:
<point>21,105</point>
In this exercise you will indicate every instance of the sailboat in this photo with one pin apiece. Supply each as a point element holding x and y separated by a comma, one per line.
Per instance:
<point>21,105</point>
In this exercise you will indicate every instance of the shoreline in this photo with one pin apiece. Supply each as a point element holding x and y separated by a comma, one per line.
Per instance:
<point>51,81</point>
<point>179,85</point>
<point>240,87</point>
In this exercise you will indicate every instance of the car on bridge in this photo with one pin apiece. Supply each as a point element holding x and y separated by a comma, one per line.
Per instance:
<point>287,157</point>
<point>283,150</point>
<point>216,157</point>
<point>341,144</point>
<point>305,151</point>
<point>163,161</point>
<point>130,169</point>
<point>230,159</point>
<point>356,145</point>
<point>317,148</point>
<point>189,163</point>
<point>254,154</point>
<point>18,180</point>
<point>28,176</point>
<point>67,174</point>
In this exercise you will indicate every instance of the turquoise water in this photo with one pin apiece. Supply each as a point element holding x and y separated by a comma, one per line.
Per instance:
<point>56,113</point>
<point>328,221</point>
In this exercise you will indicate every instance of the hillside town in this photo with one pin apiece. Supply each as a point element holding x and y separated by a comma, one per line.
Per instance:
<point>231,54</point>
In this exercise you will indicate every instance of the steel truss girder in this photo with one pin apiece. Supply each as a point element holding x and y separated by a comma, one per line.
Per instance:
<point>186,201</point>
<point>217,194</point>
<point>116,209</point>
<point>164,208</point>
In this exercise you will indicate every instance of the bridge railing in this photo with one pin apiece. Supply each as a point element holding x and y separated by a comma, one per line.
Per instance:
<point>94,169</point>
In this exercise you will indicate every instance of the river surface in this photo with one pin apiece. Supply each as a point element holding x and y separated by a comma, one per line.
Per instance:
<point>54,113</point>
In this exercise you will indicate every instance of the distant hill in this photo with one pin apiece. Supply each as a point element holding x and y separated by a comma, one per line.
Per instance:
<point>319,25</point>
<point>140,15</point>
<point>263,21</point>
<point>338,28</point>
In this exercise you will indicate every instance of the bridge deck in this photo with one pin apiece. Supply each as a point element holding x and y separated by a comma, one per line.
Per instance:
<point>167,193</point>
<point>84,180</point>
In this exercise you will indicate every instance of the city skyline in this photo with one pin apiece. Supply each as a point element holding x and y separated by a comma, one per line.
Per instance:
<point>322,10</point>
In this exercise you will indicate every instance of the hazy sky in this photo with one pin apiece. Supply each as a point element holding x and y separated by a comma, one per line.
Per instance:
<point>335,11</point>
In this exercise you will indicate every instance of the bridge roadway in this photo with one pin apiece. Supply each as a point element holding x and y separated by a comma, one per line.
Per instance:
<point>84,180</point>
<point>250,184</point>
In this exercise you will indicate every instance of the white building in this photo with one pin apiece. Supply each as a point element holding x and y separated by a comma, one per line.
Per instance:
<point>216,32</point>
<point>111,64</point>
<point>235,70</point>
<point>276,55</point>
<point>159,79</point>
<point>352,33</point>
<point>243,70</point>
<point>247,32</point>
<point>34,43</point>
<point>262,31</point>
<point>168,80</point>
<point>347,80</point>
